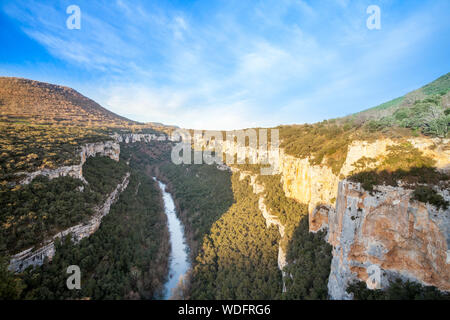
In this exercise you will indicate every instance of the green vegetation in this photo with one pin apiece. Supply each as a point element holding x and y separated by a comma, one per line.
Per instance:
<point>126,258</point>
<point>238,259</point>
<point>439,86</point>
<point>30,147</point>
<point>397,290</point>
<point>426,194</point>
<point>403,163</point>
<point>11,286</point>
<point>31,213</point>
<point>426,116</point>
<point>103,174</point>
<point>309,260</point>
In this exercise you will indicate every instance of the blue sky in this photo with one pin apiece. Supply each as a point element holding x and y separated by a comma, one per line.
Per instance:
<point>228,64</point>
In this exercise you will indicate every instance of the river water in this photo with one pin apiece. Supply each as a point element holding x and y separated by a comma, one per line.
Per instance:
<point>179,262</point>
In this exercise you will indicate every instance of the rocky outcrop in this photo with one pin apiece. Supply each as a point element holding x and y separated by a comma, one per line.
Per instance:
<point>35,257</point>
<point>386,234</point>
<point>138,137</point>
<point>109,149</point>
<point>317,185</point>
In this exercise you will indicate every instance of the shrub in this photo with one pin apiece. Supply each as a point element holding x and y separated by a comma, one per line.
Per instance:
<point>429,195</point>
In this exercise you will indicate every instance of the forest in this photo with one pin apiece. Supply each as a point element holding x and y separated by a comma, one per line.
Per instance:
<point>309,261</point>
<point>126,258</point>
<point>397,290</point>
<point>238,258</point>
<point>32,213</point>
<point>27,146</point>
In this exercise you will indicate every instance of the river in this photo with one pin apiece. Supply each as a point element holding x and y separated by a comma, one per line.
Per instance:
<point>179,262</point>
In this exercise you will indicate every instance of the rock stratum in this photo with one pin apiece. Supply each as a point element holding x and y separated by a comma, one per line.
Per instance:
<point>109,149</point>
<point>388,230</point>
<point>385,232</point>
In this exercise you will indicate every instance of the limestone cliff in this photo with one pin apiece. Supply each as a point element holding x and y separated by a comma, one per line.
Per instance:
<point>385,231</point>
<point>138,137</point>
<point>109,149</point>
<point>390,232</point>
<point>34,257</point>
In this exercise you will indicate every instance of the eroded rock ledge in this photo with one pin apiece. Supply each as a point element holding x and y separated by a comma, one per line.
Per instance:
<point>387,229</point>
<point>109,149</point>
<point>32,257</point>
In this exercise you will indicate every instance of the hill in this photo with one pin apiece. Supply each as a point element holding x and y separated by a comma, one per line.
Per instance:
<point>23,99</point>
<point>439,87</point>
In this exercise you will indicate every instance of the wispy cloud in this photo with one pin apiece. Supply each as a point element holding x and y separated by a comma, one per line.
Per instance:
<point>230,66</point>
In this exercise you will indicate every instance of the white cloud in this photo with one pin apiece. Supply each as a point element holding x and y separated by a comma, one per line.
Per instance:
<point>235,68</point>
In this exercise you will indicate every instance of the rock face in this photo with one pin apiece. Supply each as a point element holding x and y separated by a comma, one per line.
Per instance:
<point>374,237</point>
<point>317,185</point>
<point>109,149</point>
<point>389,232</point>
<point>138,137</point>
<point>31,257</point>
<point>386,232</point>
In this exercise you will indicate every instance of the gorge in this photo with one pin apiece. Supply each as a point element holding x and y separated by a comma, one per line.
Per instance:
<point>348,204</point>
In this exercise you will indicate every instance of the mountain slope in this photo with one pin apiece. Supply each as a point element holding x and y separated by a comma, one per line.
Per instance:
<point>440,86</point>
<point>44,102</point>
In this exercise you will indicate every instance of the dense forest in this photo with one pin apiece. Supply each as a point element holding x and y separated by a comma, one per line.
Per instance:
<point>309,261</point>
<point>397,290</point>
<point>238,259</point>
<point>126,258</point>
<point>32,213</point>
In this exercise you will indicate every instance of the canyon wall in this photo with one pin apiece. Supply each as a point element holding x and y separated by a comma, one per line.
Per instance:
<point>138,137</point>
<point>375,236</point>
<point>109,149</point>
<point>36,256</point>
<point>381,235</point>
<point>386,233</point>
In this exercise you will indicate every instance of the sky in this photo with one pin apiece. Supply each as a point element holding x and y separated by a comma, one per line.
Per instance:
<point>228,64</point>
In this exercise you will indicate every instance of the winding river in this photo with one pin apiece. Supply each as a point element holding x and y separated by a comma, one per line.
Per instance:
<point>179,254</point>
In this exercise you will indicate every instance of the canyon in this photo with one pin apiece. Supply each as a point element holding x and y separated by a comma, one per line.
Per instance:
<point>384,230</point>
